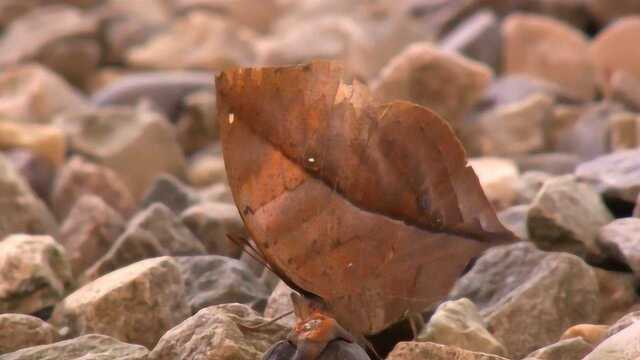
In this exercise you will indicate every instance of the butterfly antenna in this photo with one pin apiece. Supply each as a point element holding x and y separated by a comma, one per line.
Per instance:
<point>243,243</point>
<point>271,321</point>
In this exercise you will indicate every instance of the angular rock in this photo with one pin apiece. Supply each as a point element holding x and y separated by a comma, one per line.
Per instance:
<point>216,280</point>
<point>22,211</point>
<point>153,232</point>
<point>447,83</point>
<point>36,170</point>
<point>625,88</point>
<point>569,349</point>
<point>478,38</point>
<point>529,185</point>
<point>620,239</point>
<point>89,231</point>
<point>45,141</point>
<point>617,294</point>
<point>517,128</point>
<point>515,219</point>
<point>622,346</point>
<point>223,330</point>
<point>511,285</point>
<point>87,347</point>
<point>196,41</point>
<point>196,126</point>
<point>613,50</point>
<point>498,177</point>
<point>624,129</point>
<point>80,177</point>
<point>41,94</point>
<point>551,163</point>
<point>206,170</point>
<point>623,323</point>
<point>566,216</point>
<point>19,331</point>
<point>211,222</point>
<point>592,334</point>
<point>549,49</point>
<point>279,303</point>
<point>613,175</point>
<point>34,273</point>
<point>135,304</point>
<point>415,350</point>
<point>458,323</point>
<point>171,192</point>
<point>137,144</point>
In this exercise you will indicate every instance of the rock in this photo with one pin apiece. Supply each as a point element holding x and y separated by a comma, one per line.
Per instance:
<point>152,232</point>
<point>166,90</point>
<point>613,50</point>
<point>621,346</point>
<point>34,273</point>
<point>172,193</point>
<point>569,349</point>
<point>551,163</point>
<point>87,347</point>
<point>515,219</point>
<point>197,126</point>
<point>45,141</point>
<point>36,170</point>
<point>41,94</point>
<point>605,11</point>
<point>135,304</point>
<point>458,323</point>
<point>617,294</point>
<point>529,184</point>
<point>223,330</point>
<point>137,144</point>
<point>517,128</point>
<point>623,323</point>
<point>217,193</point>
<point>613,175</point>
<point>478,38</point>
<point>621,241</point>
<point>196,41</point>
<point>560,129</point>
<point>625,88</point>
<point>257,16</point>
<point>447,83</point>
<point>279,303</point>
<point>566,216</point>
<point>68,45</point>
<point>22,331</point>
<point>337,349</point>
<point>206,170</point>
<point>80,177</point>
<point>549,49</point>
<point>623,131</point>
<point>498,177</point>
<point>22,211</point>
<point>215,280</point>
<point>516,283</point>
<point>211,222</point>
<point>414,350</point>
<point>592,334</point>
<point>514,88</point>
<point>89,231</point>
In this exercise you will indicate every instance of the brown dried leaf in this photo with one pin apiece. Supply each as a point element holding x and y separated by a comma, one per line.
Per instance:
<point>371,207</point>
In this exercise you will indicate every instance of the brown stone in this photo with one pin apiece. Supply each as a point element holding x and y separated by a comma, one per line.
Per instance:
<point>623,345</point>
<point>43,140</point>
<point>624,129</point>
<point>569,349</point>
<point>280,303</point>
<point>625,88</point>
<point>592,334</point>
<point>19,331</point>
<point>617,294</point>
<point>425,350</point>
<point>549,49</point>
<point>36,170</point>
<point>206,170</point>
<point>258,16</point>
<point>135,304</point>
<point>80,177</point>
<point>211,222</point>
<point>498,178</point>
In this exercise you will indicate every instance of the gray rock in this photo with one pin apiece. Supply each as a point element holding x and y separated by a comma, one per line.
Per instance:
<point>34,273</point>
<point>529,185</point>
<point>135,304</point>
<point>620,239</point>
<point>279,303</point>
<point>515,219</point>
<point>413,350</point>
<point>477,37</point>
<point>171,192</point>
<point>88,347</point>
<point>551,163</point>
<point>566,216</point>
<point>510,89</point>
<point>224,330</point>
<point>22,211</point>
<point>458,323</point>
<point>215,280</point>
<point>614,175</point>
<point>153,232</point>
<point>22,331</point>
<point>624,345</point>
<point>89,231</point>
<point>516,283</point>
<point>211,222</point>
<point>569,349</point>
<point>624,322</point>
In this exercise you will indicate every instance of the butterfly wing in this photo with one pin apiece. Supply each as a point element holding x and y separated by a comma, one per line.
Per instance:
<point>371,207</point>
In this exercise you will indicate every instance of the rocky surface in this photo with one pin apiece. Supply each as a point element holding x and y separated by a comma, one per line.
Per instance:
<point>19,331</point>
<point>569,349</point>
<point>613,175</point>
<point>211,222</point>
<point>427,350</point>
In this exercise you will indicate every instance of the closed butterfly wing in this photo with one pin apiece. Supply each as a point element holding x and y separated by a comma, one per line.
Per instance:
<point>371,207</point>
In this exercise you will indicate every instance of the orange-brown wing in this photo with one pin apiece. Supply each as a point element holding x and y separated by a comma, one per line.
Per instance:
<point>371,207</point>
